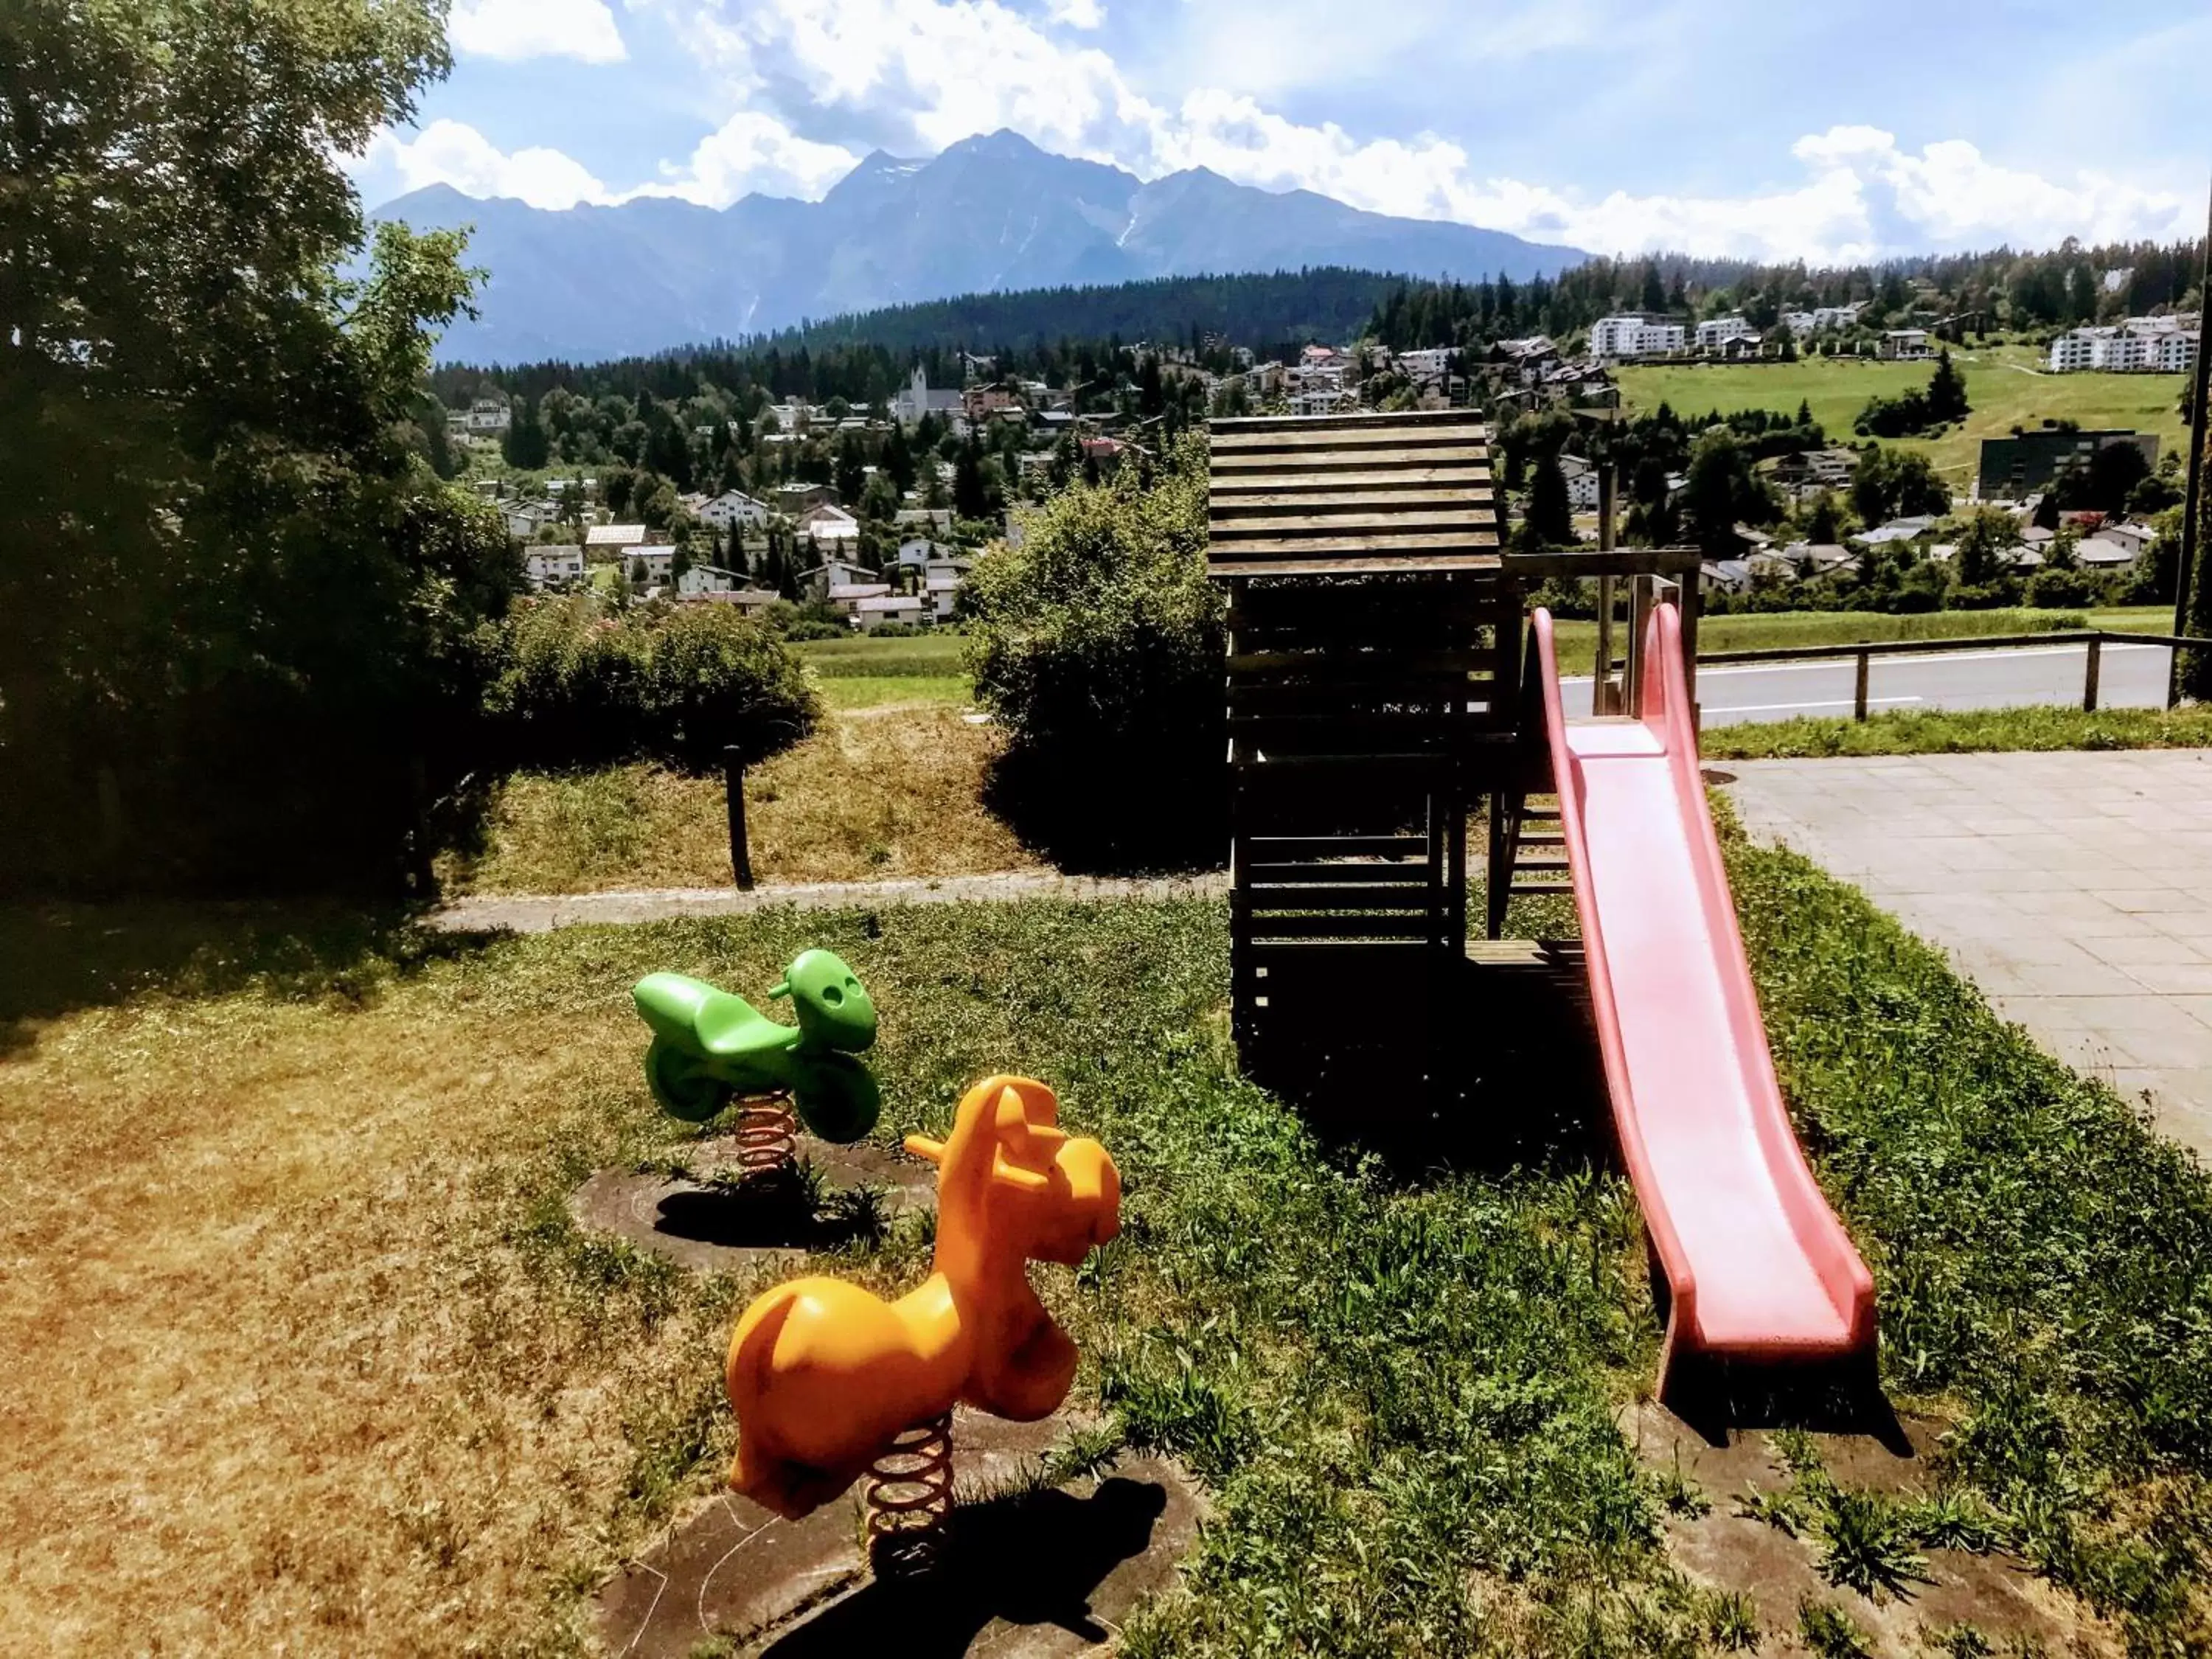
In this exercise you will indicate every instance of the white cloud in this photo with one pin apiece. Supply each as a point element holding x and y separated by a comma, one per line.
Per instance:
<point>752,151</point>
<point>456,154</point>
<point>918,75</point>
<point>537,29</point>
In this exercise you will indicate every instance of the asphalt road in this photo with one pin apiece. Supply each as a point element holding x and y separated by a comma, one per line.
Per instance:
<point>2131,677</point>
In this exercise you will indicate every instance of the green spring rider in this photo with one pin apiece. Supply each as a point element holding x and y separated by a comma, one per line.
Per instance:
<point>709,1047</point>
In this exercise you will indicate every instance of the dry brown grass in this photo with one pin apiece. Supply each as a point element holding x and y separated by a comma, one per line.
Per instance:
<point>304,1353</point>
<point>883,791</point>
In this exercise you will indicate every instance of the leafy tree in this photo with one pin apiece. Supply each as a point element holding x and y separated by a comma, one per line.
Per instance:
<point>1889,484</point>
<point>1824,525</point>
<point>1989,535</point>
<point>1097,644</point>
<point>971,497</point>
<point>524,444</point>
<point>1720,491</point>
<point>1550,522</point>
<point>249,624</point>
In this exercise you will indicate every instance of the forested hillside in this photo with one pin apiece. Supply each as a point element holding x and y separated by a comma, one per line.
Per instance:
<point>867,356</point>
<point>1959,293</point>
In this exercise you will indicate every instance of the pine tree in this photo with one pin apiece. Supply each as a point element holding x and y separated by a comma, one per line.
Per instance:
<point>1551,520</point>
<point>1946,392</point>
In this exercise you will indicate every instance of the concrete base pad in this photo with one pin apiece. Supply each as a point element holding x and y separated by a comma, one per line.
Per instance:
<point>709,1223</point>
<point>1995,1593</point>
<point>1037,1575</point>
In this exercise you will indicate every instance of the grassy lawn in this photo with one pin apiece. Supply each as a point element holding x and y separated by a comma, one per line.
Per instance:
<point>1958,731</point>
<point>864,673</point>
<point>879,792</point>
<point>309,1353</point>
<point>2003,383</point>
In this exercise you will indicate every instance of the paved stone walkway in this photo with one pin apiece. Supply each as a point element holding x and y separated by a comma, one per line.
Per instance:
<point>2074,888</point>
<point>541,912</point>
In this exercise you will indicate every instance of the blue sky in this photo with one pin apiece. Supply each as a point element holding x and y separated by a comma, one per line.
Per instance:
<point>1836,130</point>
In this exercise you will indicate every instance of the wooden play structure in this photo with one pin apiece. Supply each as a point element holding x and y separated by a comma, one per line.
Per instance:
<point>1386,680</point>
<point>1377,696</point>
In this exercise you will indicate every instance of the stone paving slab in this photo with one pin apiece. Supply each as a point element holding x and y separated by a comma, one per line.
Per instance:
<point>2075,889</point>
<point>534,913</point>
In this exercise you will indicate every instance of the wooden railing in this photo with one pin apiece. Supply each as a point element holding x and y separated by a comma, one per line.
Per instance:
<point>1865,651</point>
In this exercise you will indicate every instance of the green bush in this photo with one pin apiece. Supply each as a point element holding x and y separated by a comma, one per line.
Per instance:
<point>2063,589</point>
<point>575,685</point>
<point>1097,644</point>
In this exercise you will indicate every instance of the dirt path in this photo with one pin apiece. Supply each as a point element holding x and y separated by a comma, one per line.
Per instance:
<point>541,912</point>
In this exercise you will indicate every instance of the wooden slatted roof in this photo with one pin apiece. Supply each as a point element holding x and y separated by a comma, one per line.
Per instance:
<point>1349,495</point>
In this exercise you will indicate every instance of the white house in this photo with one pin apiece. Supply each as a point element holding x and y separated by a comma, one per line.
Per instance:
<point>1728,575</point>
<point>2101,552</point>
<point>1429,363</point>
<point>648,567</point>
<point>700,579</point>
<point>1715,332</point>
<point>1582,482</point>
<point>733,507</point>
<point>942,588</point>
<point>920,550</point>
<point>2140,345</point>
<point>827,524</point>
<point>845,596</point>
<point>1632,336</point>
<point>873,612</point>
<point>1904,345</point>
<point>487,417</point>
<point>613,537</point>
<point>553,565</point>
<point>833,573</point>
<point>2135,538</point>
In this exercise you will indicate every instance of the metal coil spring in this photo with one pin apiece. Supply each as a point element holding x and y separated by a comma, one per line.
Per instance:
<point>909,1494</point>
<point>767,1136</point>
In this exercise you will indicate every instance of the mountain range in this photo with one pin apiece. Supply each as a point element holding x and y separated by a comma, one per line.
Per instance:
<point>990,214</point>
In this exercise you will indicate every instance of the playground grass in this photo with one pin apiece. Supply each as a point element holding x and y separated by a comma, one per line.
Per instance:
<point>1959,732</point>
<point>878,791</point>
<point>2005,384</point>
<point>307,1352</point>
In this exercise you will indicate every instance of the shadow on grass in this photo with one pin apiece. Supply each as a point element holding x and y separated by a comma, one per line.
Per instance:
<point>1034,1559</point>
<point>1474,1066</point>
<point>58,957</point>
<point>1113,815</point>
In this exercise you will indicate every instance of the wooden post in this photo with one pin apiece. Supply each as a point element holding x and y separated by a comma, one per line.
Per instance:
<point>1689,601</point>
<point>733,787</point>
<point>2192,512</point>
<point>1641,592</point>
<point>109,789</point>
<point>421,873</point>
<point>2089,674</point>
<point>1602,702</point>
<point>1859,693</point>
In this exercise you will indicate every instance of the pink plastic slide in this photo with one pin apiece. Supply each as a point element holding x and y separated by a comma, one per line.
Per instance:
<point>1758,1268</point>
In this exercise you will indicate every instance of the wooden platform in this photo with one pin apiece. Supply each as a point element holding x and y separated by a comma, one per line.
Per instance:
<point>1349,495</point>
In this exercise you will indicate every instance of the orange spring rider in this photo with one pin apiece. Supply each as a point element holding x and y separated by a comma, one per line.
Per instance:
<point>829,1379</point>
